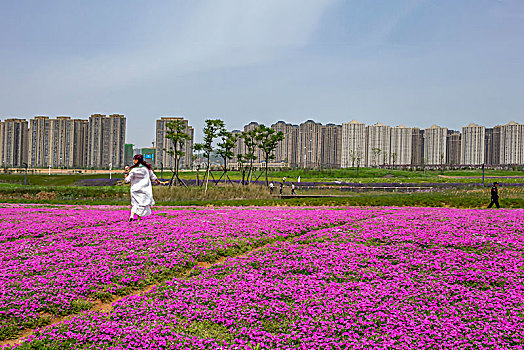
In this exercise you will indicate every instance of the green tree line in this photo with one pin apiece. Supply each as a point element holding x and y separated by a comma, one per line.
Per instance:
<point>261,138</point>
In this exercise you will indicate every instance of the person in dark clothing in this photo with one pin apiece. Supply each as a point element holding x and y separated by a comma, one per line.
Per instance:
<point>281,187</point>
<point>494,195</point>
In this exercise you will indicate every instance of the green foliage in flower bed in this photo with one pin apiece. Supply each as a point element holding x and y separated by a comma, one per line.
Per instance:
<point>414,199</point>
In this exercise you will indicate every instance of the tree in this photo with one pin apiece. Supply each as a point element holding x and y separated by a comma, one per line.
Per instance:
<point>394,157</point>
<point>353,156</point>
<point>211,131</point>
<point>356,156</point>
<point>198,148</point>
<point>376,154</point>
<point>251,143</point>
<point>225,149</point>
<point>268,141</point>
<point>384,158</point>
<point>241,160</point>
<point>176,133</point>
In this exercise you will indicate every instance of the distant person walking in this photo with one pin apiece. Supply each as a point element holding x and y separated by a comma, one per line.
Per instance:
<point>293,189</point>
<point>140,175</point>
<point>281,188</point>
<point>494,195</point>
<point>271,187</point>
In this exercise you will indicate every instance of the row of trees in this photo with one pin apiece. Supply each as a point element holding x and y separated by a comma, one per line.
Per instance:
<point>261,138</point>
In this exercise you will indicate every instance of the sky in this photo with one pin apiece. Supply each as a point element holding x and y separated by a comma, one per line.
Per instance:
<point>410,62</point>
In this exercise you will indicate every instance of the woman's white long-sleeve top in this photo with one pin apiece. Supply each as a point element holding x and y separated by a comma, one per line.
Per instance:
<point>141,189</point>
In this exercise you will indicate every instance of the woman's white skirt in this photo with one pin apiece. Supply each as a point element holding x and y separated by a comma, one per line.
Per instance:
<point>141,210</point>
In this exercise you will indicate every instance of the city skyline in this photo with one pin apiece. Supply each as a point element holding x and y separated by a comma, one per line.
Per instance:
<point>197,130</point>
<point>101,141</point>
<point>411,62</point>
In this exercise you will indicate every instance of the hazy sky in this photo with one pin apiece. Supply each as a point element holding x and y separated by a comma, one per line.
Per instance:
<point>415,62</point>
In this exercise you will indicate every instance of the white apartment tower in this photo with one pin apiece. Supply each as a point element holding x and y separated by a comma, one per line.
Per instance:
<point>164,144</point>
<point>378,144</point>
<point>512,143</point>
<point>258,152</point>
<point>13,142</point>
<point>309,152</point>
<point>401,145</point>
<point>331,144</point>
<point>59,142</point>
<point>353,144</point>
<point>106,141</point>
<point>435,145</point>
<point>39,141</point>
<point>285,153</point>
<point>239,146</point>
<point>472,144</point>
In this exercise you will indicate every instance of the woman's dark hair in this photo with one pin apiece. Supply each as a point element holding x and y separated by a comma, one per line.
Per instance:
<point>141,161</point>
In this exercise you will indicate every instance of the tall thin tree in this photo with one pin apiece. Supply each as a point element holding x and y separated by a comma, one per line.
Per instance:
<point>225,149</point>
<point>251,143</point>
<point>241,161</point>
<point>211,131</point>
<point>198,149</point>
<point>268,140</point>
<point>376,154</point>
<point>394,156</point>
<point>176,132</point>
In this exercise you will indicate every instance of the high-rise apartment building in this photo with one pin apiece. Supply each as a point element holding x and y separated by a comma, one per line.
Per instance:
<point>331,152</point>
<point>285,153</point>
<point>106,140</point>
<point>453,148</point>
<point>401,145</point>
<point>512,144</point>
<point>239,146</point>
<point>63,145</point>
<point>492,146</point>
<point>353,150</point>
<point>378,144</point>
<point>39,141</point>
<point>417,146</point>
<point>435,145</point>
<point>473,144</point>
<point>80,139</point>
<point>13,142</point>
<point>309,152</point>
<point>164,144</point>
<point>59,142</point>
<point>259,155</point>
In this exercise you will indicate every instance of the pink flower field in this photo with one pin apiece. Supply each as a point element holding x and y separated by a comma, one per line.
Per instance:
<point>261,278</point>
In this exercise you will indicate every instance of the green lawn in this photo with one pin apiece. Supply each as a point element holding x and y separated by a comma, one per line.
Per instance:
<point>372,175</point>
<point>365,175</point>
<point>49,180</point>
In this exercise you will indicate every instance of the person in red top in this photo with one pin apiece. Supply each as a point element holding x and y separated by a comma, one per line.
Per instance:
<point>494,195</point>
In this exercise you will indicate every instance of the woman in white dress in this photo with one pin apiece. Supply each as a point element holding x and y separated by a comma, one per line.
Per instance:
<point>140,175</point>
